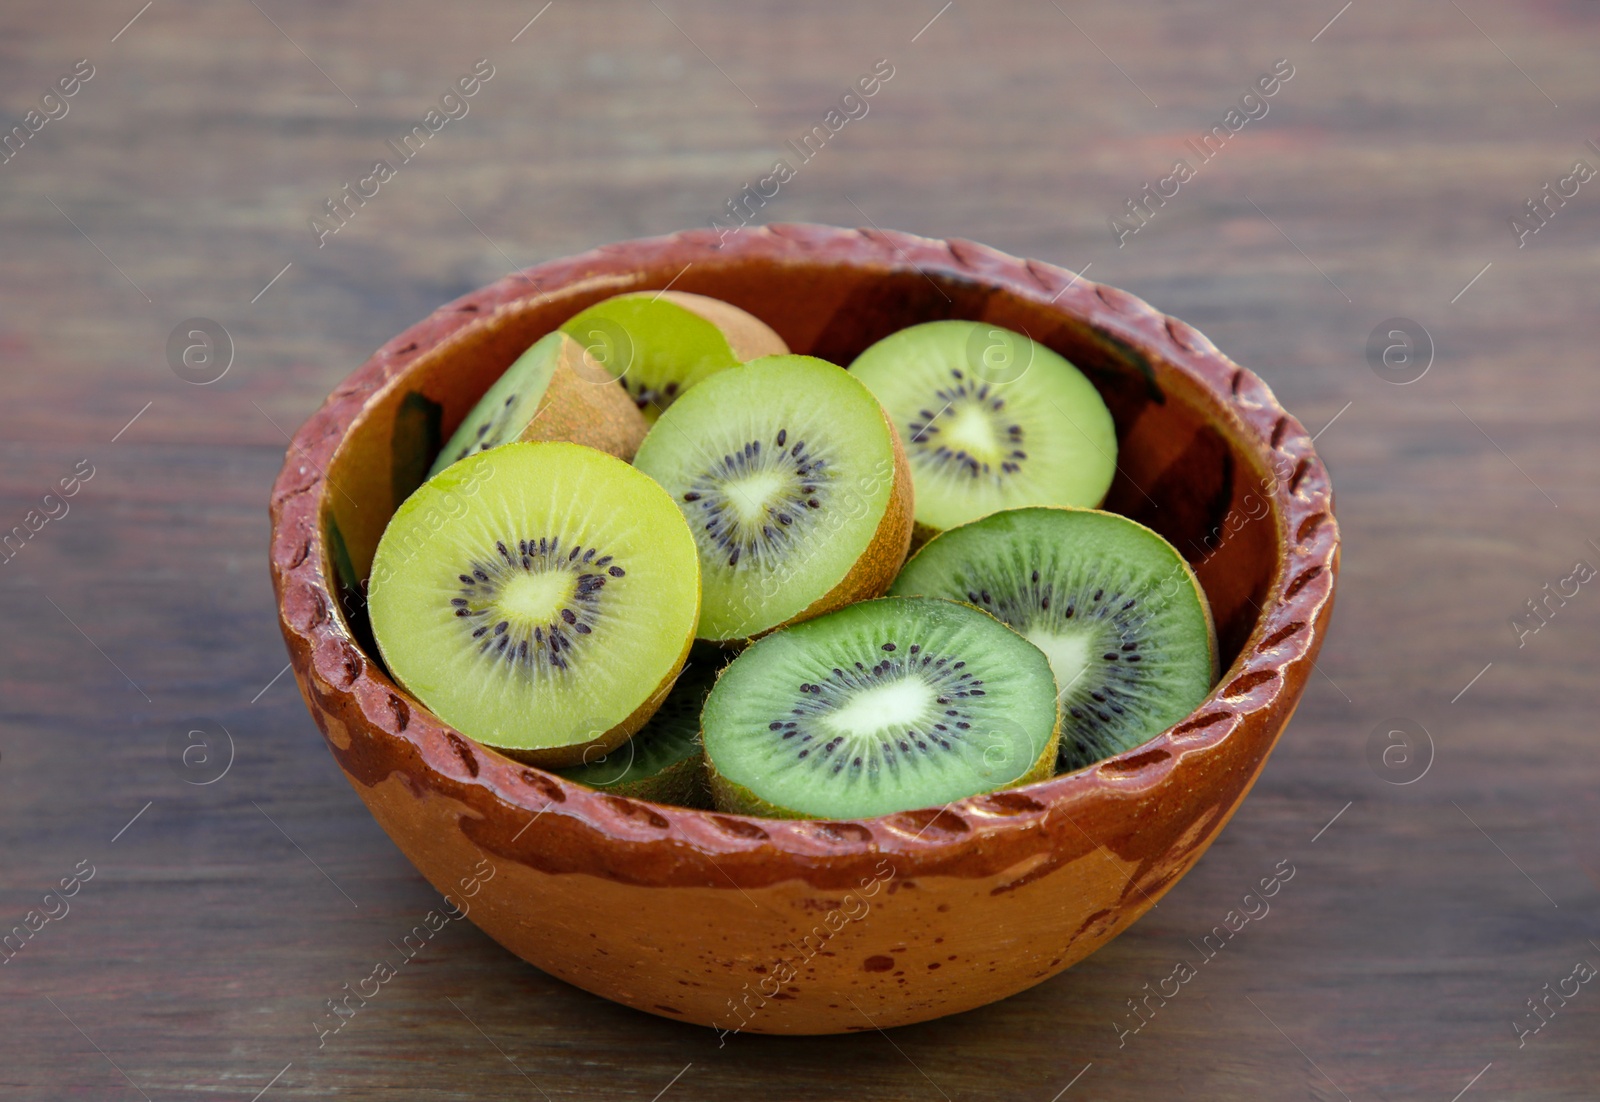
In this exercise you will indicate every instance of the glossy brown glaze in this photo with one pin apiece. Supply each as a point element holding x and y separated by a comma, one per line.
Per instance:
<point>804,926</point>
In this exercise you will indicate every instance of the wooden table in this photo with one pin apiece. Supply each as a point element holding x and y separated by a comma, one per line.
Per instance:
<point>1382,182</point>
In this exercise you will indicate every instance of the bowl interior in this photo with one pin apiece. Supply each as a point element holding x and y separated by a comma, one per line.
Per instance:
<point>1187,467</point>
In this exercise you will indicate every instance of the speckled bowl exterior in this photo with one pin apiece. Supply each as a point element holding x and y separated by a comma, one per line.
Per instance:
<point>802,926</point>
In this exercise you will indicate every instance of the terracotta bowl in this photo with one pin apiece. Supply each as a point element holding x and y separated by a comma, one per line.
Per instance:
<point>817,926</point>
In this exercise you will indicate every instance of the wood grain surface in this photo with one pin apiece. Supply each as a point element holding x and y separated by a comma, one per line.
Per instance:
<point>182,179</point>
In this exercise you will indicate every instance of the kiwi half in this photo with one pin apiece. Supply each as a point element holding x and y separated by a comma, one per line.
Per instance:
<point>540,598</point>
<point>794,485</point>
<point>883,706</point>
<point>551,392</point>
<point>658,344</point>
<point>664,761</point>
<point>991,420</point>
<point>1121,616</point>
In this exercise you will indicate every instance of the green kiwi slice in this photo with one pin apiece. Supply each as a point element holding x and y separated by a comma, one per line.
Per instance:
<point>551,392</point>
<point>664,761</point>
<point>538,597</point>
<point>794,486</point>
<point>1121,616</point>
<point>658,344</point>
<point>883,706</point>
<point>991,420</point>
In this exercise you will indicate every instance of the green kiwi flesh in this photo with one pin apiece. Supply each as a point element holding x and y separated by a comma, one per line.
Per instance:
<point>538,597</point>
<point>664,761</point>
<point>991,420</point>
<point>784,470</point>
<point>1121,616</point>
<point>882,706</point>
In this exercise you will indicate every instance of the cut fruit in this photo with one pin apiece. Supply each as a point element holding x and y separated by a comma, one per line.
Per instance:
<point>552,392</point>
<point>540,598</point>
<point>658,344</point>
<point>884,706</point>
<point>664,761</point>
<point>991,420</point>
<point>795,488</point>
<point>1119,613</point>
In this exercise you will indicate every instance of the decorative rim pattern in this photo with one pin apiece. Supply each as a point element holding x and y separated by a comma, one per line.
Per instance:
<point>585,830</point>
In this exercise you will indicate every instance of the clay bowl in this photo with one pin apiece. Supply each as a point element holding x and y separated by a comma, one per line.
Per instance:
<point>817,927</point>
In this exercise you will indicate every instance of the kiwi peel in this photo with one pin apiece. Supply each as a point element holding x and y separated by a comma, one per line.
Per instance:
<point>548,615</point>
<point>886,705</point>
<point>658,344</point>
<point>552,392</point>
<point>1114,606</point>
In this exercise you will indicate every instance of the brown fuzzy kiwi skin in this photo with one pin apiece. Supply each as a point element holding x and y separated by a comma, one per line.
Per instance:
<point>583,404</point>
<point>875,570</point>
<point>748,336</point>
<point>921,534</point>
<point>682,784</point>
<point>733,798</point>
